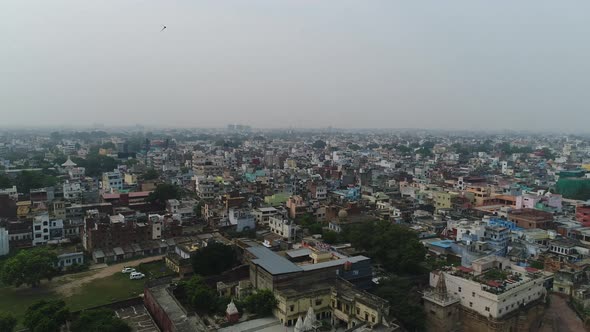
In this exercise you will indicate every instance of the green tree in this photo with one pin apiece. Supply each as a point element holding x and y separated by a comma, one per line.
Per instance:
<point>151,174</point>
<point>29,267</point>
<point>46,316</point>
<point>109,145</point>
<point>96,164</point>
<point>164,192</point>
<point>319,144</point>
<point>213,259</point>
<point>261,303</point>
<point>5,181</point>
<point>354,147</point>
<point>199,295</point>
<point>394,246</point>
<point>404,302</point>
<point>7,322</point>
<point>27,180</point>
<point>99,320</point>
<point>330,237</point>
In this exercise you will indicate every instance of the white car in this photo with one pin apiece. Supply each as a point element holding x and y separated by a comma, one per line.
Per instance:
<point>128,270</point>
<point>136,275</point>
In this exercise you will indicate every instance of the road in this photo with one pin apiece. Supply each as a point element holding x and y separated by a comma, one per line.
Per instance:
<point>559,317</point>
<point>70,282</point>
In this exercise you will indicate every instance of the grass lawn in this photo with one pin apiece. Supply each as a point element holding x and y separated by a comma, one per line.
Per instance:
<point>17,300</point>
<point>94,293</point>
<point>105,290</point>
<point>154,270</point>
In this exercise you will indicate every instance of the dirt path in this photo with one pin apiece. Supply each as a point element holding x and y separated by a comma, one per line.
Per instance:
<point>559,317</point>
<point>69,283</point>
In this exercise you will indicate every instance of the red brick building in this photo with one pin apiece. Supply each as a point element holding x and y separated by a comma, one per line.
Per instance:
<point>531,218</point>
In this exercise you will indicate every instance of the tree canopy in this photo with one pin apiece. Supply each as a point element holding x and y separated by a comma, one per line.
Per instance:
<point>164,192</point>
<point>29,267</point>
<point>46,316</point>
<point>394,246</point>
<point>319,144</point>
<point>404,302</point>
<point>27,180</point>
<point>198,294</point>
<point>213,259</point>
<point>99,320</point>
<point>7,322</point>
<point>261,303</point>
<point>151,174</point>
<point>96,164</point>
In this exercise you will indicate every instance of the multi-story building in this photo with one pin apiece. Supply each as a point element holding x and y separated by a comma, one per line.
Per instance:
<point>283,227</point>
<point>4,241</point>
<point>11,192</point>
<point>490,292</point>
<point>112,181</point>
<point>262,215</point>
<point>72,190</point>
<point>40,229</point>
<point>531,218</point>
<point>583,214</point>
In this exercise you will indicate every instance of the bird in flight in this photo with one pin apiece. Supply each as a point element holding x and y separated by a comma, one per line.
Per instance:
<point>163,27</point>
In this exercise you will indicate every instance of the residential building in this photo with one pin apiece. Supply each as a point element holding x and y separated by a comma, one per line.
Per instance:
<point>112,181</point>
<point>283,227</point>
<point>4,241</point>
<point>41,230</point>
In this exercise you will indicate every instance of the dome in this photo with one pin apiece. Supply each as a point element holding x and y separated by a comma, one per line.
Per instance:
<point>342,214</point>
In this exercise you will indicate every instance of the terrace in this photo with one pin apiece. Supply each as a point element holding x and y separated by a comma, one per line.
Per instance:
<point>496,280</point>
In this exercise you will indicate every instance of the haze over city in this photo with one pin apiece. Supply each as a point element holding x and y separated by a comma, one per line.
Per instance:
<point>348,64</point>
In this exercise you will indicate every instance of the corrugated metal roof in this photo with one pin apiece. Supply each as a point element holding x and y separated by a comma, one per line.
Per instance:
<point>335,262</point>
<point>271,261</point>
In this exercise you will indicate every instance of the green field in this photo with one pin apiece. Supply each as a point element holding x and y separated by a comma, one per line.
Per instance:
<point>97,292</point>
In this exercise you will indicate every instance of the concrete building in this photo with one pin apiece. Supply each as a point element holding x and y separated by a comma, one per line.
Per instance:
<point>283,227</point>
<point>11,192</point>
<point>72,190</point>
<point>112,181</point>
<point>4,241</point>
<point>262,215</point>
<point>41,230</point>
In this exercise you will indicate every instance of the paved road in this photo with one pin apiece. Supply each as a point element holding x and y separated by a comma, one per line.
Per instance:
<point>73,281</point>
<point>559,317</point>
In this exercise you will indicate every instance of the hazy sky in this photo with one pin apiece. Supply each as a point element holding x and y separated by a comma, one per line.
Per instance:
<point>301,63</point>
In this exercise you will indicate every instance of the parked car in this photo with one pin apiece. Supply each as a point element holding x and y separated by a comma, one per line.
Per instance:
<point>128,270</point>
<point>136,275</point>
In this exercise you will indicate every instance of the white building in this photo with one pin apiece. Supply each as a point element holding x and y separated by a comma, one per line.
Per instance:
<point>509,288</point>
<point>156,222</point>
<point>242,219</point>
<point>283,227</point>
<point>263,214</point>
<point>4,241</point>
<point>11,192</point>
<point>72,190</point>
<point>112,181</point>
<point>40,230</point>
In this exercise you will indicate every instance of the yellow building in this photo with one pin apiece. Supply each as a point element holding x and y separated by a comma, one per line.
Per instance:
<point>130,179</point>
<point>292,303</point>
<point>23,208</point>
<point>443,200</point>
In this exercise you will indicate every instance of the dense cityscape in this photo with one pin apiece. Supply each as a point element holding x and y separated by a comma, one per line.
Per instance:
<point>245,229</point>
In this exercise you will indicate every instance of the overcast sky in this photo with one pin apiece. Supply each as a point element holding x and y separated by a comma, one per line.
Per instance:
<point>465,64</point>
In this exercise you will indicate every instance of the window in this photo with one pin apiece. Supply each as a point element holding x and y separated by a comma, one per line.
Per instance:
<point>473,294</point>
<point>292,307</point>
<point>459,290</point>
<point>487,308</point>
<point>318,302</point>
<point>37,228</point>
<point>470,304</point>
